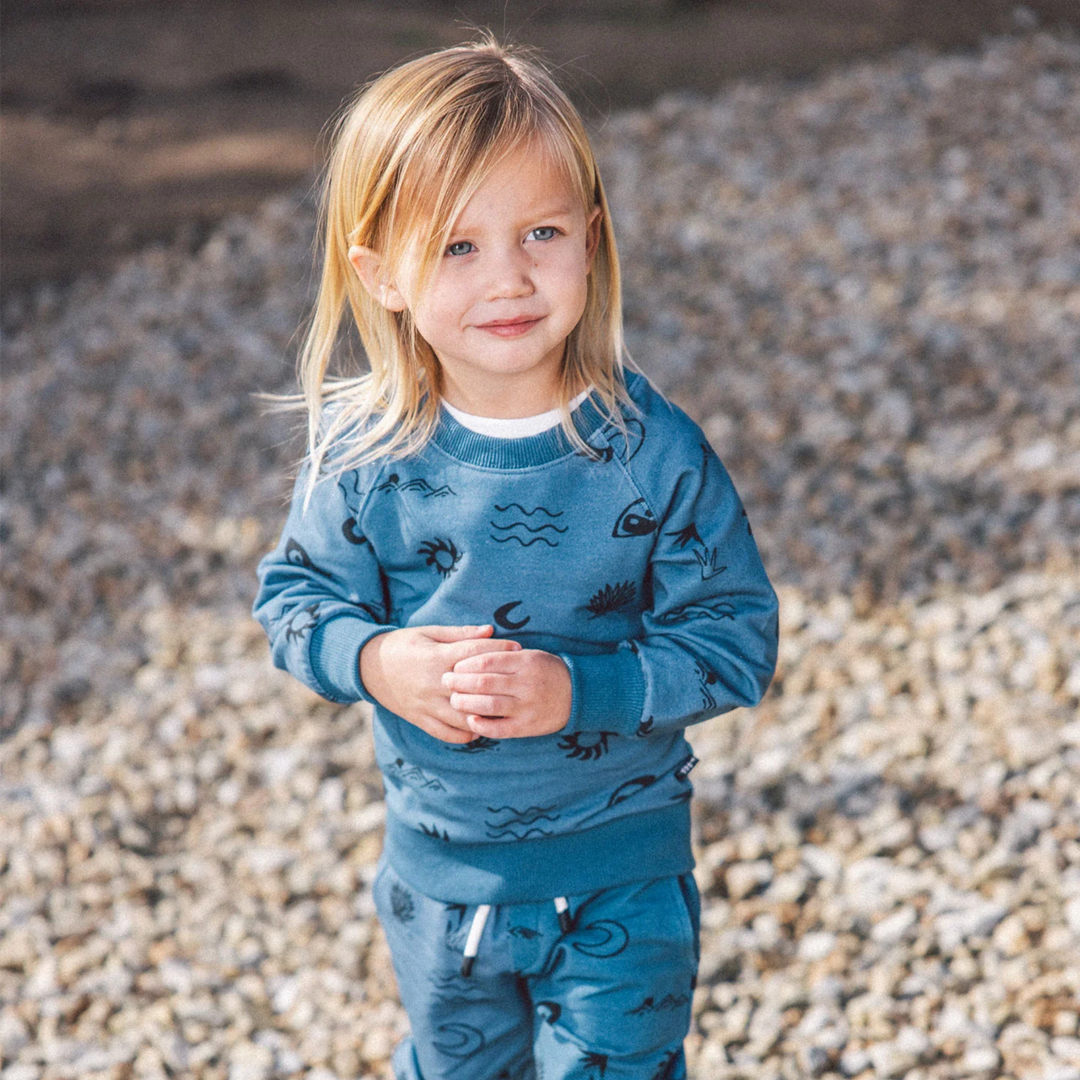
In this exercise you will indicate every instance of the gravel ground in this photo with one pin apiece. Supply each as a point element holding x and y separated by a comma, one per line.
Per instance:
<point>867,288</point>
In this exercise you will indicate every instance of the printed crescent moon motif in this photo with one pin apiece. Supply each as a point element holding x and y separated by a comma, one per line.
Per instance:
<point>608,938</point>
<point>464,1040</point>
<point>549,1010</point>
<point>502,616</point>
<point>348,528</point>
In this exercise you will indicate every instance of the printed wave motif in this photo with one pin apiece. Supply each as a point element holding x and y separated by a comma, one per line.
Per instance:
<point>523,525</point>
<point>455,989</point>
<point>506,817</point>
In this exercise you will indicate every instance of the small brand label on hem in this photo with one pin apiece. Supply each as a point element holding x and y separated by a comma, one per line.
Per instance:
<point>683,771</point>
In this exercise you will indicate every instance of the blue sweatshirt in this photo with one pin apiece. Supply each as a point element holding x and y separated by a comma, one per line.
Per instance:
<point>637,567</point>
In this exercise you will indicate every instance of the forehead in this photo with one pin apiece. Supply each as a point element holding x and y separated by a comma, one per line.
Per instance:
<point>525,181</point>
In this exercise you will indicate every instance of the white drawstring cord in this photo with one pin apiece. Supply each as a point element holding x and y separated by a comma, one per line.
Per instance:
<point>472,942</point>
<point>563,910</point>
<point>476,929</point>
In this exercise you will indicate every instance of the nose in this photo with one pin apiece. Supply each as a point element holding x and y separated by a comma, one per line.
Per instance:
<point>510,274</point>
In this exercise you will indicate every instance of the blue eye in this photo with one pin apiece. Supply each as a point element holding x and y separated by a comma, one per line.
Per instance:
<point>544,232</point>
<point>460,247</point>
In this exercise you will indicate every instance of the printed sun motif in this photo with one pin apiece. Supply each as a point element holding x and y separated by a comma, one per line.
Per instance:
<point>442,554</point>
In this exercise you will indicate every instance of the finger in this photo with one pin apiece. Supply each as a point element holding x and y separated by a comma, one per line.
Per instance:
<point>447,715</point>
<point>446,732</point>
<point>483,704</point>
<point>494,727</point>
<point>480,683</point>
<point>458,633</point>
<point>499,663</point>
<point>480,647</point>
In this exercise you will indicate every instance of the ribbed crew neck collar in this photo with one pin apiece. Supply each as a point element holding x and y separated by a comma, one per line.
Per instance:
<point>491,452</point>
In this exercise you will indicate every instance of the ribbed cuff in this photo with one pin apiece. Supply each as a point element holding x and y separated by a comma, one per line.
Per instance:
<point>335,655</point>
<point>608,692</point>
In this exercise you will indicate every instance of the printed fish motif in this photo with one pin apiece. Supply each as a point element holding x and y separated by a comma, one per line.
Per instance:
<point>297,556</point>
<point>636,519</point>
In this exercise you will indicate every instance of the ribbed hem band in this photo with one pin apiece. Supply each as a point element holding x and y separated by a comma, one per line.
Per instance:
<point>636,847</point>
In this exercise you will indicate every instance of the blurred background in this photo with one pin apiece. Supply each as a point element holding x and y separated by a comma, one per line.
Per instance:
<point>129,121</point>
<point>850,237</point>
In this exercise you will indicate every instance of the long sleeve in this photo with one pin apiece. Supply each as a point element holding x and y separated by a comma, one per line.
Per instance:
<point>709,629</point>
<point>322,595</point>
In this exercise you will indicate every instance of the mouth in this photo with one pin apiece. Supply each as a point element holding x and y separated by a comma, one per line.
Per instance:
<point>510,327</point>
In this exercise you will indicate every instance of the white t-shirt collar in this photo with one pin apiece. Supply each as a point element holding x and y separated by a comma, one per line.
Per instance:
<point>517,427</point>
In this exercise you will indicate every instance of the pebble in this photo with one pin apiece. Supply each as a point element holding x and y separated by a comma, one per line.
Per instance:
<point>869,297</point>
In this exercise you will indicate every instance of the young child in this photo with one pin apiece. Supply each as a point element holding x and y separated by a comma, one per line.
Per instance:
<point>533,567</point>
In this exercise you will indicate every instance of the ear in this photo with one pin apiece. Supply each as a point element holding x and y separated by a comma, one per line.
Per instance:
<point>592,237</point>
<point>368,266</point>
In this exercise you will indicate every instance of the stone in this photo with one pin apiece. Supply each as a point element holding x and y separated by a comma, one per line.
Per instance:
<point>979,1059</point>
<point>744,878</point>
<point>893,928</point>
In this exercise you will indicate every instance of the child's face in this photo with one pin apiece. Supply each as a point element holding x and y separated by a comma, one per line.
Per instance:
<point>509,287</point>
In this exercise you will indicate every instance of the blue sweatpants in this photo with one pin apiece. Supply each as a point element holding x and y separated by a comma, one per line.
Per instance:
<point>604,995</point>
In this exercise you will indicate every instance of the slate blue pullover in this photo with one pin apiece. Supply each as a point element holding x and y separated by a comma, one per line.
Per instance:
<point>637,567</point>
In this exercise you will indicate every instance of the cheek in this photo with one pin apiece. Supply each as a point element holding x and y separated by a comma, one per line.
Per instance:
<point>437,315</point>
<point>575,289</point>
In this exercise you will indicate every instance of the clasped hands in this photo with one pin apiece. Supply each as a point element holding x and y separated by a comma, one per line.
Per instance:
<point>460,682</point>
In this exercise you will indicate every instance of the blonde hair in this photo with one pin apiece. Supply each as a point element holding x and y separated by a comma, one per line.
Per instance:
<point>407,154</point>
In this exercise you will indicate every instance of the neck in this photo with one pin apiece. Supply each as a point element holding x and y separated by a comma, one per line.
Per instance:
<point>501,399</point>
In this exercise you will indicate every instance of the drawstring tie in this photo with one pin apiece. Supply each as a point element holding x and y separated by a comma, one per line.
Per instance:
<point>476,929</point>
<point>563,910</point>
<point>472,942</point>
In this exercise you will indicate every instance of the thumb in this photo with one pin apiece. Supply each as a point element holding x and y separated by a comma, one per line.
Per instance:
<point>458,633</point>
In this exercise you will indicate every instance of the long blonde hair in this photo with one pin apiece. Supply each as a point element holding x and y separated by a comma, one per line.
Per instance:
<point>407,154</point>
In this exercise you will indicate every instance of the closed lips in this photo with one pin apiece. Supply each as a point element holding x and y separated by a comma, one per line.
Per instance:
<point>510,324</point>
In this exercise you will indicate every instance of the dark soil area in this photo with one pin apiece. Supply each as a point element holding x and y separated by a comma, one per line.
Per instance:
<point>126,122</point>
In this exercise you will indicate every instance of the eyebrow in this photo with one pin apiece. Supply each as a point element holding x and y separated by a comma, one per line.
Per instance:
<point>560,210</point>
<point>555,211</point>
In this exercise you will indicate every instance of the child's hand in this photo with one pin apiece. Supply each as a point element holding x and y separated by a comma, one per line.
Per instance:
<point>511,695</point>
<point>402,670</point>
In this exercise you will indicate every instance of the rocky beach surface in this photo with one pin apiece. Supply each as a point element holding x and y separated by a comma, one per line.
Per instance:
<point>866,287</point>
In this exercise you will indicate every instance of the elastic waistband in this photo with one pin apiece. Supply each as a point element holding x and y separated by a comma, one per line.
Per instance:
<point>636,847</point>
